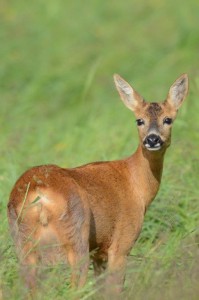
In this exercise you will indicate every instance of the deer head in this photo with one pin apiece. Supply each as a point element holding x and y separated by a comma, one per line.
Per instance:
<point>154,120</point>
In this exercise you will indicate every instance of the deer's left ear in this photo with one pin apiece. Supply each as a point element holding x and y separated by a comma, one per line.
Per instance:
<point>129,96</point>
<point>178,91</point>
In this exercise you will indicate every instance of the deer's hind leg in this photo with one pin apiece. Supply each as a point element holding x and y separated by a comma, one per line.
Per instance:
<point>25,243</point>
<point>73,231</point>
<point>28,266</point>
<point>79,262</point>
<point>100,266</point>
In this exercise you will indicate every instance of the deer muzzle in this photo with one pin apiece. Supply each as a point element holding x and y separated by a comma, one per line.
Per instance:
<point>153,142</point>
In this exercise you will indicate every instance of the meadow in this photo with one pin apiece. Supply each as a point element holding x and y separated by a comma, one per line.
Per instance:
<point>59,105</point>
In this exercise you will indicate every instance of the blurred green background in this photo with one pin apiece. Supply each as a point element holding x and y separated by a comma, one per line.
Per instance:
<point>59,105</point>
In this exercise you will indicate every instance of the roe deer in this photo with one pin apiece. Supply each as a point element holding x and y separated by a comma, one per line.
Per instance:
<point>98,206</point>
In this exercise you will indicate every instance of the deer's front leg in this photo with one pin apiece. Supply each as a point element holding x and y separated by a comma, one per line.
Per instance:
<point>125,236</point>
<point>116,273</point>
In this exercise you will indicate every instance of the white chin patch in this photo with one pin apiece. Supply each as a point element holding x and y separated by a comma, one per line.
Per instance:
<point>156,148</point>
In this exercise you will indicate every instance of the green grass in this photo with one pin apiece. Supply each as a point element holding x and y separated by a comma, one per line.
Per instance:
<point>59,105</point>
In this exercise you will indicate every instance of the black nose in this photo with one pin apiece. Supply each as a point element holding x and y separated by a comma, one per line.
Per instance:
<point>153,140</point>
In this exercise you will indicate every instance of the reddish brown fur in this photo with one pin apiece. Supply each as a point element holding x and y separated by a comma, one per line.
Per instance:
<point>98,206</point>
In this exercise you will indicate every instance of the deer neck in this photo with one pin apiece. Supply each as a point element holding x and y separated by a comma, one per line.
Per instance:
<point>146,171</point>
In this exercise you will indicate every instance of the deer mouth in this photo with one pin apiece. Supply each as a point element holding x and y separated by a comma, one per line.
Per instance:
<point>153,142</point>
<point>154,148</point>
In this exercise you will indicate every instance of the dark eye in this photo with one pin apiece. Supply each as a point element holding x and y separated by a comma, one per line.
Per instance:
<point>140,122</point>
<point>167,121</point>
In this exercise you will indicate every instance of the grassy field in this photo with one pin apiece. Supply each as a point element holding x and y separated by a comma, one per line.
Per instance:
<point>59,105</point>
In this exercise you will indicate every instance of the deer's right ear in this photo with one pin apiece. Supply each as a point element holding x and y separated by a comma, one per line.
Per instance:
<point>128,95</point>
<point>178,91</point>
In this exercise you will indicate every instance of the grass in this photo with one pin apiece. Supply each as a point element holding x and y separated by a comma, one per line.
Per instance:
<point>59,105</point>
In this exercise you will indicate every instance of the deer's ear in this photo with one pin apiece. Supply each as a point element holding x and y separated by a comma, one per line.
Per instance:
<point>128,95</point>
<point>178,91</point>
